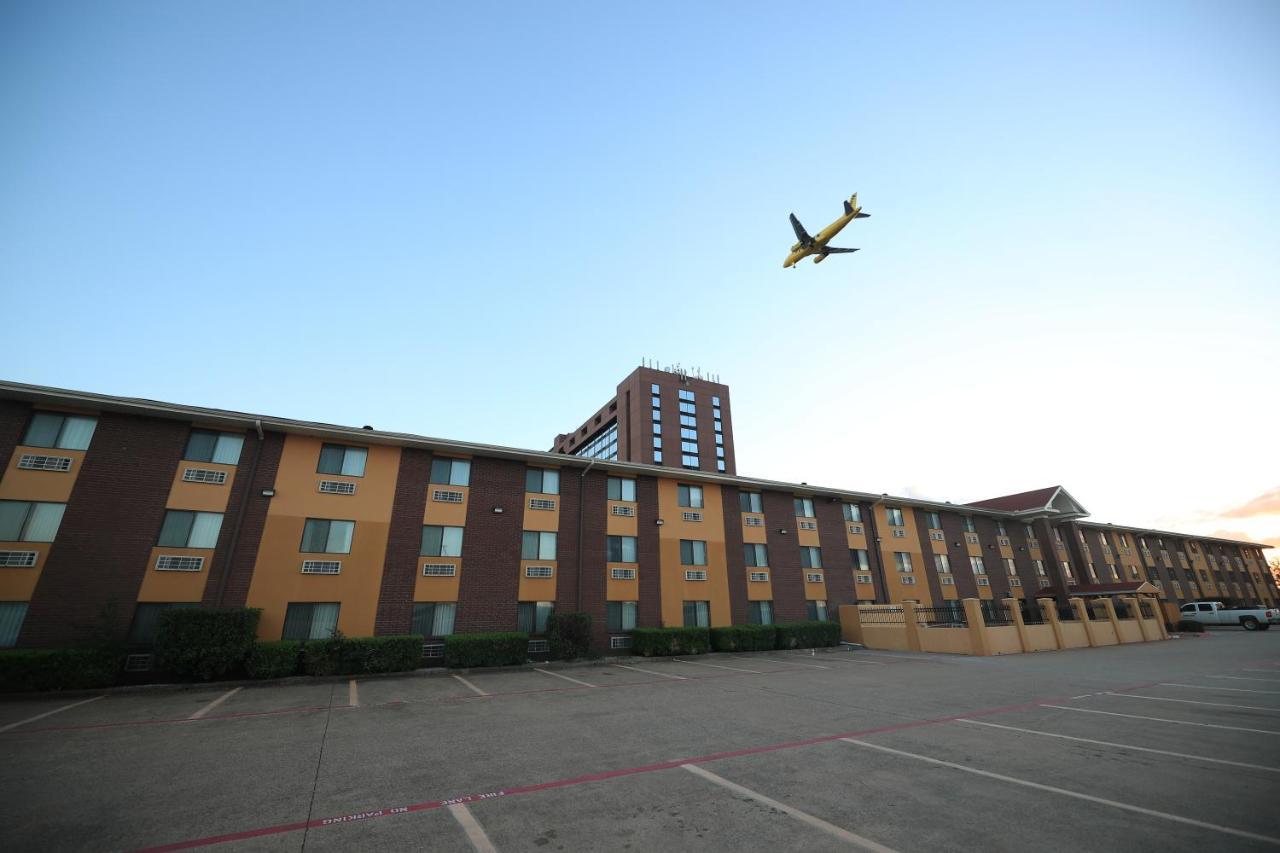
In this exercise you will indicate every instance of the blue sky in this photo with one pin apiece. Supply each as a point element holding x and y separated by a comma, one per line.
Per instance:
<point>471,221</point>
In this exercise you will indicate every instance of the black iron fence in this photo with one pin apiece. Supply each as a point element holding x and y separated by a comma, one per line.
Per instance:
<point>882,616</point>
<point>1144,607</point>
<point>1066,613</point>
<point>995,613</point>
<point>946,616</point>
<point>1122,610</point>
<point>1032,613</point>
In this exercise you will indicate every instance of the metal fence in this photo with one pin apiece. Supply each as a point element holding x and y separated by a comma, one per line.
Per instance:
<point>1144,607</point>
<point>1122,610</point>
<point>1032,613</point>
<point>1066,613</point>
<point>946,616</point>
<point>882,616</point>
<point>995,613</point>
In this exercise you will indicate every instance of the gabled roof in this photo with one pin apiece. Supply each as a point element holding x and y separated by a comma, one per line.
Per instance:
<point>1053,499</point>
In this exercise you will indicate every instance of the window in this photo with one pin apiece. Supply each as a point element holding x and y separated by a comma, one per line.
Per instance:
<point>690,496</point>
<point>620,615</point>
<point>689,421</point>
<point>816,610</point>
<point>622,549</point>
<point>688,408</point>
<point>12,613</point>
<point>439,541</point>
<point>968,525</point>
<point>688,396</point>
<point>756,556</point>
<point>532,616</point>
<point>933,520</point>
<point>1066,569</point>
<point>760,612</point>
<point>310,622</point>
<point>902,560</point>
<point>894,514</point>
<point>451,472</point>
<point>657,442</point>
<point>184,529</point>
<point>146,621</point>
<point>688,434</point>
<point>433,619</point>
<point>657,415</point>
<point>693,552</point>
<point>1009,566</point>
<point>719,439</point>
<point>751,502</point>
<point>543,481</point>
<point>323,536</point>
<point>942,563</point>
<point>719,426</point>
<point>29,521</point>
<point>804,507</point>
<point>538,545</point>
<point>720,466</point>
<point>852,512</point>
<point>65,432</point>
<point>340,459</point>
<point>206,445</point>
<point>1040,570</point>
<point>697,614</point>
<point>621,489</point>
<point>859,557</point>
<point>657,457</point>
<point>1000,531</point>
<point>689,461</point>
<point>810,557</point>
<point>979,568</point>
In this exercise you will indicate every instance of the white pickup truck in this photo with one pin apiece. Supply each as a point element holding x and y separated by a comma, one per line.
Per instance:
<point>1217,613</point>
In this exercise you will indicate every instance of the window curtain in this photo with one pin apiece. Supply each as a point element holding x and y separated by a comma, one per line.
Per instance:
<point>77,433</point>
<point>42,525</point>
<point>227,449</point>
<point>11,616</point>
<point>324,621</point>
<point>204,530</point>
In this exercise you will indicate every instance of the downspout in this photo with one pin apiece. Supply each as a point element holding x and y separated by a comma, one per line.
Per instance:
<point>244,502</point>
<point>879,555</point>
<point>582,484</point>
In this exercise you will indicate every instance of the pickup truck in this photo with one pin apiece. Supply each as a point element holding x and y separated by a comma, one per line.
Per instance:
<point>1217,613</point>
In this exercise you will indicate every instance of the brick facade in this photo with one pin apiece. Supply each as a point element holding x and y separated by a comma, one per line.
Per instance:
<point>785,574</point>
<point>404,542</point>
<point>230,576</point>
<point>490,579</point>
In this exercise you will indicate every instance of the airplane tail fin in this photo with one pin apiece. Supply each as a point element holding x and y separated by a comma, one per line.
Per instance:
<point>851,206</point>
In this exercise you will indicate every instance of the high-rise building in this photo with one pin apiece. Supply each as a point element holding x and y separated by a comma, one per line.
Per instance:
<point>660,417</point>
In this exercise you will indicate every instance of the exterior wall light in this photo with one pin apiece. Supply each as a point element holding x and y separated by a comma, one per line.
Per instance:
<point>497,510</point>
<point>268,493</point>
<point>659,522</point>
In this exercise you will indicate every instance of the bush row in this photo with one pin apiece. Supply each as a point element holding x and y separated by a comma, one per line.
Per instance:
<point>464,651</point>
<point>57,669</point>
<point>651,642</point>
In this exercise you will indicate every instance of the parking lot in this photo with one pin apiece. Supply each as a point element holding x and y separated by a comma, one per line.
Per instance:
<point>1153,746</point>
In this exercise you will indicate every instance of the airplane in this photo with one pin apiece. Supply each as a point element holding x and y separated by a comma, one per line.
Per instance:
<point>817,246</point>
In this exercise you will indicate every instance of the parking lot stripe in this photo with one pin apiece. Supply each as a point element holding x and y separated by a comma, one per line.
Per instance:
<point>1216,687</point>
<point>1129,807</point>
<point>651,672</point>
<point>353,697</point>
<point>1125,746</point>
<point>1192,702</point>
<point>856,660</point>
<point>215,703</point>
<point>794,663</point>
<point>565,677</point>
<point>1161,720</point>
<point>51,713</point>
<point>716,665</point>
<point>472,686</point>
<point>804,817</point>
<point>1245,678</point>
<point>1246,669</point>
<point>475,832</point>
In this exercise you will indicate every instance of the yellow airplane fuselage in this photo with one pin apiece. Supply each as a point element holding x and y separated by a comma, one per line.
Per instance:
<point>820,240</point>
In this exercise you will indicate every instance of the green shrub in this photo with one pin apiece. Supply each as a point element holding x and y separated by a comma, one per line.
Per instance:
<point>197,642</point>
<point>341,655</point>
<point>463,651</point>
<point>655,642</point>
<point>807,635</point>
<point>57,669</point>
<point>1189,626</point>
<point>744,638</point>
<point>569,635</point>
<point>274,660</point>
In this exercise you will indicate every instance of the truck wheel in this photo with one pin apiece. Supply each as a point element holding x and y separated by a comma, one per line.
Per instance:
<point>1249,623</point>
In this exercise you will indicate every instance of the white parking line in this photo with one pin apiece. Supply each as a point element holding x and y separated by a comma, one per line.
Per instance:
<point>565,677</point>
<point>804,817</point>
<point>472,686</point>
<point>855,660</point>
<point>1192,702</point>
<point>475,832</point>
<point>353,696</point>
<point>215,703</point>
<point>1245,678</point>
<point>1225,830</point>
<point>51,713</point>
<point>716,665</point>
<point>1215,687</point>
<point>651,672</point>
<point>1163,720</point>
<point>794,663</point>
<point>1125,746</point>
<point>1246,669</point>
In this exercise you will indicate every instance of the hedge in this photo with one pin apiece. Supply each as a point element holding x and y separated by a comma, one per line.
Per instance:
<point>744,638</point>
<point>274,660</point>
<point>57,669</point>
<point>463,651</point>
<point>651,642</point>
<point>204,643</point>
<point>807,635</point>
<point>355,655</point>
<point>569,635</point>
<point>1189,626</point>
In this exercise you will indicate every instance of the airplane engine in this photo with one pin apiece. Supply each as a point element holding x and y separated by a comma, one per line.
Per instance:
<point>819,259</point>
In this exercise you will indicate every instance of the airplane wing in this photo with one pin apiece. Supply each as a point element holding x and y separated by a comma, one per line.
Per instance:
<point>832,250</point>
<point>801,234</point>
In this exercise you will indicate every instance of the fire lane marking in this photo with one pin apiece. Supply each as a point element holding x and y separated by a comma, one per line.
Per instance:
<point>804,817</point>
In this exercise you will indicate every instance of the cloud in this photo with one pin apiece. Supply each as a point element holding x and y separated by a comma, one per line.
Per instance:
<point>1241,536</point>
<point>1267,503</point>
